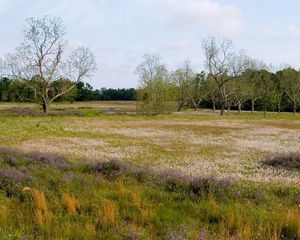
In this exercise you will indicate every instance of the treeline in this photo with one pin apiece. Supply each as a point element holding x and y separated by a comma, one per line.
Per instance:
<point>18,91</point>
<point>232,81</point>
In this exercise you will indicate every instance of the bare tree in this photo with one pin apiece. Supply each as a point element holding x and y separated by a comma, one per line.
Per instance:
<point>223,64</point>
<point>2,68</point>
<point>38,60</point>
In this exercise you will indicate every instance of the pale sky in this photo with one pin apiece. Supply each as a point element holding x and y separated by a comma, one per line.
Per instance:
<point>120,32</point>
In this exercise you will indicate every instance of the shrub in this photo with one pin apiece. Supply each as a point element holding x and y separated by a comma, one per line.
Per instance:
<point>289,161</point>
<point>201,186</point>
<point>10,181</point>
<point>12,158</point>
<point>111,169</point>
<point>173,180</point>
<point>54,161</point>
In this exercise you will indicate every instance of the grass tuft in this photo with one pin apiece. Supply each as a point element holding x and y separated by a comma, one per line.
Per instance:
<point>71,203</point>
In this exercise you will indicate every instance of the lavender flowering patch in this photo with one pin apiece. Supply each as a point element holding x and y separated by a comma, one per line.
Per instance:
<point>11,179</point>
<point>21,164</point>
<point>289,161</point>
<point>112,168</point>
<point>54,161</point>
<point>173,180</point>
<point>206,185</point>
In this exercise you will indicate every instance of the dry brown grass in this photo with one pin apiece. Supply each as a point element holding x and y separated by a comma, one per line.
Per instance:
<point>42,216</point>
<point>4,215</point>
<point>71,203</point>
<point>108,213</point>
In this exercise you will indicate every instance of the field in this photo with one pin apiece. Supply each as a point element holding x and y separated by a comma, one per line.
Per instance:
<point>99,171</point>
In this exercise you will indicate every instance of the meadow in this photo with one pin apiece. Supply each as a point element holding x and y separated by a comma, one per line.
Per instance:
<point>97,170</point>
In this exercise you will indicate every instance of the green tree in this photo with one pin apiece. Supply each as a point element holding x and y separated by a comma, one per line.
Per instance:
<point>182,78</point>
<point>291,84</point>
<point>252,77</point>
<point>210,90</point>
<point>196,91</point>
<point>4,89</point>
<point>154,85</point>
<point>266,85</point>
<point>279,90</point>
<point>239,91</point>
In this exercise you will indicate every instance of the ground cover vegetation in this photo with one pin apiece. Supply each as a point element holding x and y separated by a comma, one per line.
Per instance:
<point>164,166</point>
<point>110,175</point>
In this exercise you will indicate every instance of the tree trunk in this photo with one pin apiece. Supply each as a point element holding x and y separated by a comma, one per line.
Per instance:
<point>222,109</point>
<point>252,105</point>
<point>295,108</point>
<point>179,107</point>
<point>194,105</point>
<point>214,105</point>
<point>240,107</point>
<point>279,108</point>
<point>223,98</point>
<point>228,108</point>
<point>45,107</point>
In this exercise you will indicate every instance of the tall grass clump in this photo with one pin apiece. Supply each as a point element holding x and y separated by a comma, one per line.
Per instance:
<point>107,214</point>
<point>71,203</point>
<point>42,216</point>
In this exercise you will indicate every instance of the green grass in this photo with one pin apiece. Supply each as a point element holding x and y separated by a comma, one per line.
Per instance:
<point>261,203</point>
<point>75,203</point>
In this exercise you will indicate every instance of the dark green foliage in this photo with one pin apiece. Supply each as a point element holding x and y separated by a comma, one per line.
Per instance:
<point>290,232</point>
<point>126,94</point>
<point>17,91</point>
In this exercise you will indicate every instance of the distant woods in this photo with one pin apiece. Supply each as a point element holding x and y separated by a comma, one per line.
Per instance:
<point>231,81</point>
<point>16,91</point>
<point>41,71</point>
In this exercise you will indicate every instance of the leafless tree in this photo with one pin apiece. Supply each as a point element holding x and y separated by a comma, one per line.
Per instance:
<point>2,68</point>
<point>223,64</point>
<point>38,61</point>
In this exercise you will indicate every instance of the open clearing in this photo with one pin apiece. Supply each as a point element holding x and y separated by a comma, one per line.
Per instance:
<point>100,171</point>
<point>197,143</point>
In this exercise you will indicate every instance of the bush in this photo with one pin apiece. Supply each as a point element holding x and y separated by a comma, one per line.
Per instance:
<point>289,161</point>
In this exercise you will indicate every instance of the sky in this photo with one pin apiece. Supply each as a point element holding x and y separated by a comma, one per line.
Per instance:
<point>120,32</point>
